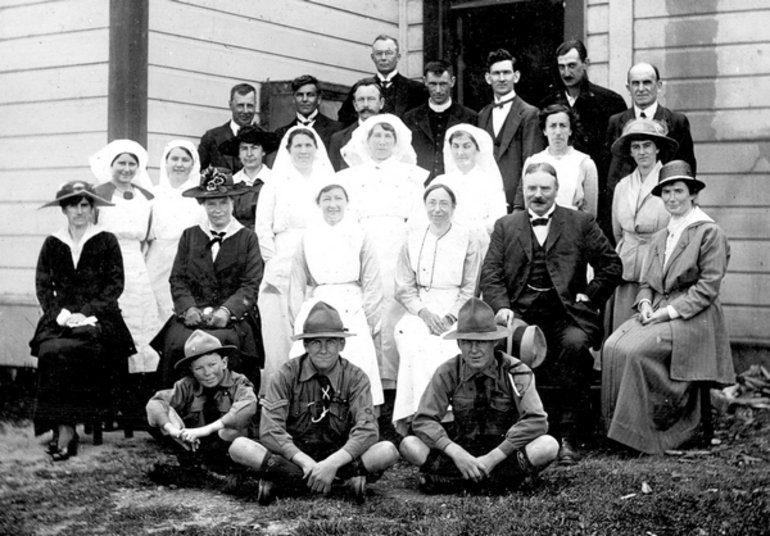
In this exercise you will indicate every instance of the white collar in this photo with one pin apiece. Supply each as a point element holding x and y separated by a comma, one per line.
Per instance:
<point>548,214</point>
<point>309,119</point>
<point>649,112</point>
<point>507,96</point>
<point>438,108</point>
<point>233,227</point>
<point>389,77</point>
<point>235,127</point>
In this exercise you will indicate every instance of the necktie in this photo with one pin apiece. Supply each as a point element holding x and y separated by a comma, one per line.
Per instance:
<point>326,396</point>
<point>306,122</point>
<point>503,102</point>
<point>539,221</point>
<point>216,238</point>
<point>210,406</point>
<point>642,115</point>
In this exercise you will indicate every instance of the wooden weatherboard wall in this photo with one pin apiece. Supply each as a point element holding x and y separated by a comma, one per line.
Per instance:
<point>714,58</point>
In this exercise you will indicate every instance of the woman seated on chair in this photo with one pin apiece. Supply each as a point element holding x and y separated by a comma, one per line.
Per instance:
<point>214,283</point>
<point>655,366</point>
<point>81,340</point>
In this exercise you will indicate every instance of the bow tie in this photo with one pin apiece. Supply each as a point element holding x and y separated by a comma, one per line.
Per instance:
<point>385,83</point>
<point>306,123</point>
<point>539,221</point>
<point>216,238</point>
<point>504,102</point>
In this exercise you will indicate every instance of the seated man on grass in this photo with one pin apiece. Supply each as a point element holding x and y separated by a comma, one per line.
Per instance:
<point>498,437</point>
<point>318,424</point>
<point>202,413</point>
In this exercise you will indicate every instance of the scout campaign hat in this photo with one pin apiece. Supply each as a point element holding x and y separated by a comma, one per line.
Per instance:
<point>200,343</point>
<point>77,189</point>
<point>250,134</point>
<point>323,320</point>
<point>216,182</point>
<point>677,170</point>
<point>645,129</point>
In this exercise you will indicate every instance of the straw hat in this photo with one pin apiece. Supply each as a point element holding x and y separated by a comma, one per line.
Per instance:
<point>645,129</point>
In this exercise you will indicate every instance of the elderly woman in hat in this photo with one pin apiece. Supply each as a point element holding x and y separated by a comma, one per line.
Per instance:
<point>318,422</point>
<point>637,214</point>
<point>657,367</point>
<point>214,281</point>
<point>499,434</point>
<point>172,213</point>
<point>81,340</point>
<point>286,202</point>
<point>385,185</point>
<point>250,146</point>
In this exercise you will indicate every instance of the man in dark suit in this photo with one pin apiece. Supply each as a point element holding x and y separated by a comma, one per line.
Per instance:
<point>307,99</point>
<point>243,105</point>
<point>400,93</point>
<point>512,123</point>
<point>643,85</point>
<point>430,121</point>
<point>593,106</point>
<point>535,269</point>
<point>367,101</point>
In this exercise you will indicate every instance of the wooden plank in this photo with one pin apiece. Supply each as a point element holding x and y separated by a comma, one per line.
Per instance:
<point>735,190</point>
<point>664,8</point>
<point>747,323</point>
<point>190,121</point>
<point>19,3</point>
<point>597,19</point>
<point>719,93</point>
<point>598,46</point>
<point>729,125</point>
<point>742,223</point>
<point>38,185</point>
<point>376,9</point>
<point>188,87</point>
<point>75,82</point>
<point>24,218</point>
<point>350,25</point>
<point>256,36</point>
<point>78,48</point>
<point>414,38</point>
<point>18,282</point>
<point>750,256</point>
<point>703,30</point>
<point>69,150</point>
<point>53,17</point>
<point>414,9</point>
<point>17,326</point>
<point>746,289</point>
<point>737,157</point>
<point>83,115</point>
<point>24,250</point>
<point>711,62</point>
<point>202,57</point>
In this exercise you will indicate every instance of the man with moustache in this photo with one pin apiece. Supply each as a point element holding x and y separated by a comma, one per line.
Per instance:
<point>430,121</point>
<point>367,101</point>
<point>307,98</point>
<point>512,123</point>
<point>535,269</point>
<point>243,105</point>
<point>643,85</point>
<point>400,93</point>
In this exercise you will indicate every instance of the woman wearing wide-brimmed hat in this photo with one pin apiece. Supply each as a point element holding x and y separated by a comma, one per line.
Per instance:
<point>637,214</point>
<point>250,146</point>
<point>658,365</point>
<point>81,340</point>
<point>214,282</point>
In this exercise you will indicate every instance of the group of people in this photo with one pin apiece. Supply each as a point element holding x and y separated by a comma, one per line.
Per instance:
<point>287,290</point>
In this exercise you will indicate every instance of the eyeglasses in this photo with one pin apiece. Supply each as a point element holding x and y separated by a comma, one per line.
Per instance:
<point>384,53</point>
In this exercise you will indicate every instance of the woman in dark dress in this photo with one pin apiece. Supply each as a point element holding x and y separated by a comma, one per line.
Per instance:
<point>214,283</point>
<point>81,340</point>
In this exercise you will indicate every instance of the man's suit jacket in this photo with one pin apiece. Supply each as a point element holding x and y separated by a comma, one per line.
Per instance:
<point>208,149</point>
<point>678,129</point>
<point>408,93</point>
<point>430,151</point>
<point>574,241</point>
<point>520,137</point>
<point>324,126</point>
<point>339,140</point>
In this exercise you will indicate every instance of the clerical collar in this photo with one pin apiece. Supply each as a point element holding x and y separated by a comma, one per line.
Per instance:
<point>548,214</point>
<point>649,112</point>
<point>505,99</point>
<point>387,79</point>
<point>301,119</point>
<point>438,108</point>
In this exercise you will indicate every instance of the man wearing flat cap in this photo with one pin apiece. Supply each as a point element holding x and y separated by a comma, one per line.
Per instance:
<point>499,434</point>
<point>318,424</point>
<point>204,411</point>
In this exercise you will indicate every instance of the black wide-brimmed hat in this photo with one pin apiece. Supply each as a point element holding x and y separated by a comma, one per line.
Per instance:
<point>250,134</point>
<point>216,182</point>
<point>77,189</point>
<point>677,170</point>
<point>645,129</point>
<point>200,343</point>
<point>323,320</point>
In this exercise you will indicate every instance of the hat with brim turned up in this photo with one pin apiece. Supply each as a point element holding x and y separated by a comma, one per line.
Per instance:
<point>323,321</point>
<point>77,189</point>
<point>216,182</point>
<point>677,170</point>
<point>200,343</point>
